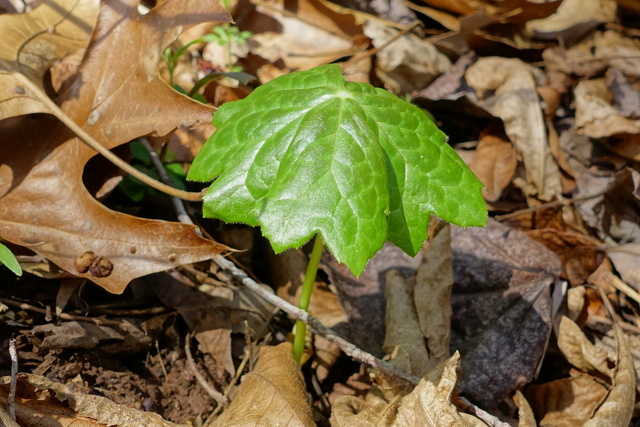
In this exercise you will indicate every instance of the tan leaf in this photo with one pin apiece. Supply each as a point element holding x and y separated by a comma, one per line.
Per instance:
<point>618,406</point>
<point>626,259</point>
<point>31,42</point>
<point>525,413</point>
<point>429,404</point>
<point>299,25</point>
<point>578,350</point>
<point>402,327</point>
<point>44,403</point>
<point>116,98</point>
<point>573,19</point>
<point>595,116</point>
<point>516,103</point>
<point>568,402</point>
<point>409,63</point>
<point>432,294</point>
<point>272,395</point>
<point>495,163</point>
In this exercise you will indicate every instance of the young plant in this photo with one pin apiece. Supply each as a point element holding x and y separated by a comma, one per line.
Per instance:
<point>309,154</point>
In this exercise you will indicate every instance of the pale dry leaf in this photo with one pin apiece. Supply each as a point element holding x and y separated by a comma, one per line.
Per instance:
<point>568,402</point>
<point>618,406</point>
<point>272,395</point>
<point>516,102</point>
<point>349,411</point>
<point>429,404</point>
<point>402,326</point>
<point>61,405</point>
<point>596,117</point>
<point>115,97</point>
<point>626,259</point>
<point>526,418</point>
<point>407,63</point>
<point>31,42</point>
<point>432,293</point>
<point>578,350</point>
<point>302,23</point>
<point>595,53</point>
<point>573,19</point>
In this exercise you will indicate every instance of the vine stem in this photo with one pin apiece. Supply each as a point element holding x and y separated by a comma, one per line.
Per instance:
<point>305,296</point>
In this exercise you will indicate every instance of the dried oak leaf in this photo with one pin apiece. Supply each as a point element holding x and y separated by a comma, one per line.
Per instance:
<point>115,97</point>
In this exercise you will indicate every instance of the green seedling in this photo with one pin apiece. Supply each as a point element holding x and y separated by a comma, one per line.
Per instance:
<point>9,260</point>
<point>311,155</point>
<point>225,35</point>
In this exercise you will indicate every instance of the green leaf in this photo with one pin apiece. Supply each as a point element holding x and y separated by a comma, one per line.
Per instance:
<point>309,152</point>
<point>7,258</point>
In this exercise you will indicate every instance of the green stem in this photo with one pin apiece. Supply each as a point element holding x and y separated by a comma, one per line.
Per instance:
<point>305,296</point>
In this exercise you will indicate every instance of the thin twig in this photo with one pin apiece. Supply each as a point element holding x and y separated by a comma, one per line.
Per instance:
<point>553,204</point>
<point>65,316</point>
<point>215,394</point>
<point>91,142</point>
<point>11,400</point>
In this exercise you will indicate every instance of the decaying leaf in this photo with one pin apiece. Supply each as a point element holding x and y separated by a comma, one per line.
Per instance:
<point>272,395</point>
<point>495,163</point>
<point>115,97</point>
<point>502,314</point>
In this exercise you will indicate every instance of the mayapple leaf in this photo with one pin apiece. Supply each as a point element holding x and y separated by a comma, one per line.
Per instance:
<point>7,258</point>
<point>311,153</point>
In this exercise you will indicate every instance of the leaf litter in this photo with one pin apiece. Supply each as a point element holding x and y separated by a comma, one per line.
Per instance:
<point>532,319</point>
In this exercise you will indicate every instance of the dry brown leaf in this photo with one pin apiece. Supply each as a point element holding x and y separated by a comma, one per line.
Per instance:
<point>626,259</point>
<point>272,395</point>
<point>568,402</point>
<point>578,350</point>
<point>516,103</point>
<point>596,52</point>
<point>580,254</point>
<point>432,293</point>
<point>403,336</point>
<point>31,42</point>
<point>495,163</point>
<point>595,116</point>
<point>293,33</point>
<point>617,408</point>
<point>429,404</point>
<point>573,19</point>
<point>526,418</point>
<point>407,63</point>
<point>116,98</point>
<point>44,403</point>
